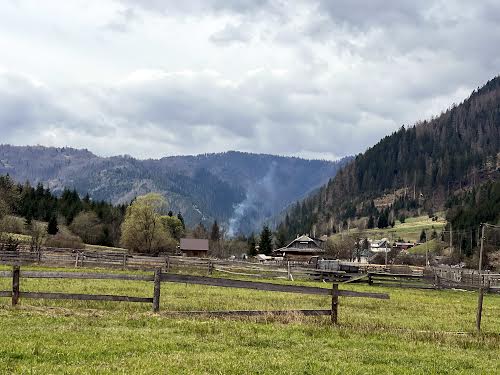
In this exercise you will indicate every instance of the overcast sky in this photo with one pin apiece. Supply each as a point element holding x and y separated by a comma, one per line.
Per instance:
<point>317,79</point>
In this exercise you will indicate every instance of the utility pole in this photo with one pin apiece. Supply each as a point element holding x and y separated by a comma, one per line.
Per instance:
<point>451,238</point>
<point>481,288</point>
<point>481,250</point>
<point>414,183</point>
<point>426,250</point>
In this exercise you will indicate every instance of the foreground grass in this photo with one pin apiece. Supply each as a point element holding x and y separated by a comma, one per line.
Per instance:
<point>414,332</point>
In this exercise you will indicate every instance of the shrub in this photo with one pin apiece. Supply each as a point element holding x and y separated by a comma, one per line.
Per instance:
<point>64,240</point>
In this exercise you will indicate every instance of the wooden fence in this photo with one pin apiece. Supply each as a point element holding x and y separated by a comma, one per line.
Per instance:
<point>401,276</point>
<point>158,277</point>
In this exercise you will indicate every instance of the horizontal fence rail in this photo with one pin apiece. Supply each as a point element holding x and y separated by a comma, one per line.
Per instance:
<point>84,297</point>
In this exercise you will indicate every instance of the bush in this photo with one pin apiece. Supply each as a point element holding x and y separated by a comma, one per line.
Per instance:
<point>12,224</point>
<point>64,240</point>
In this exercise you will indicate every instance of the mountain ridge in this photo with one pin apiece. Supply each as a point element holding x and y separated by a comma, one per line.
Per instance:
<point>203,187</point>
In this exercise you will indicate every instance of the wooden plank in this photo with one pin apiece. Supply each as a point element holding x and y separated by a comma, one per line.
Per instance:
<point>408,286</point>
<point>354,279</point>
<point>6,274</point>
<point>84,275</point>
<point>251,312</point>
<point>228,283</point>
<point>386,274</point>
<point>5,293</point>
<point>85,297</point>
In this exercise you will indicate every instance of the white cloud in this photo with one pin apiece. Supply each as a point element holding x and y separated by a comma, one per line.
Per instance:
<point>309,78</point>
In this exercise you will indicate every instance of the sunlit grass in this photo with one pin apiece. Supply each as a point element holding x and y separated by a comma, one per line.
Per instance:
<point>414,332</point>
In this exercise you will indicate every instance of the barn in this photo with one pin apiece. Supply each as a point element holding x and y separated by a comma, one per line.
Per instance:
<point>194,247</point>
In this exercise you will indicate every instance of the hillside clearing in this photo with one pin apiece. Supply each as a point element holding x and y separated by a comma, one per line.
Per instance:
<point>410,230</point>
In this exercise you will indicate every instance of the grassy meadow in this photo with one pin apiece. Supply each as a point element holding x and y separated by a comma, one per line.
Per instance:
<point>416,331</point>
<point>410,230</point>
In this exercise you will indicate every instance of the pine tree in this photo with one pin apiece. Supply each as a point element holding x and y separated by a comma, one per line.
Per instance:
<point>28,221</point>
<point>181,218</point>
<point>266,242</point>
<point>280,237</point>
<point>215,232</point>
<point>423,236</point>
<point>252,251</point>
<point>382,220</point>
<point>371,222</point>
<point>52,227</point>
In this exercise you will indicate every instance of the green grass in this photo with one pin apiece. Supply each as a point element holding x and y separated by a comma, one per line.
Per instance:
<point>410,230</point>
<point>105,248</point>
<point>414,332</point>
<point>433,246</point>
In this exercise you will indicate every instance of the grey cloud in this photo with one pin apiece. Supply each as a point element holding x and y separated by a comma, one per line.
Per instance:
<point>197,7</point>
<point>123,21</point>
<point>231,34</point>
<point>359,14</point>
<point>24,105</point>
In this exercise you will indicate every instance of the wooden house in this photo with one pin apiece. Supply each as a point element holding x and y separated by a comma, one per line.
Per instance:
<point>193,247</point>
<point>303,248</point>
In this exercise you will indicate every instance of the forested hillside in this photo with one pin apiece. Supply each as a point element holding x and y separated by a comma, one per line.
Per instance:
<point>416,168</point>
<point>238,189</point>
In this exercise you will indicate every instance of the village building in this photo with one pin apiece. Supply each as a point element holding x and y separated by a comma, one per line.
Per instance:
<point>380,246</point>
<point>404,245</point>
<point>303,248</point>
<point>194,247</point>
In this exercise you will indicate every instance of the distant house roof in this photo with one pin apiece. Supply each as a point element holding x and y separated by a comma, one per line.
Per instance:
<point>194,244</point>
<point>302,244</point>
<point>314,242</point>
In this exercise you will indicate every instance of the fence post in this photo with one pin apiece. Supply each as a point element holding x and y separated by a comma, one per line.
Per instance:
<point>15,285</point>
<point>168,263</point>
<point>335,303</point>
<point>156,293</point>
<point>124,260</point>
<point>479,309</point>
<point>76,260</point>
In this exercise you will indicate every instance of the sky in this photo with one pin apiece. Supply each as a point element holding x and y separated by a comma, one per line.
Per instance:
<point>314,79</point>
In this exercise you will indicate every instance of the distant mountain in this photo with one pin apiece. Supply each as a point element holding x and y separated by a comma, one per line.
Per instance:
<point>421,166</point>
<point>240,190</point>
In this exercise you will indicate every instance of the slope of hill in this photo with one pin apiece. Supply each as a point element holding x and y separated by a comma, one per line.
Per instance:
<point>417,167</point>
<point>238,189</point>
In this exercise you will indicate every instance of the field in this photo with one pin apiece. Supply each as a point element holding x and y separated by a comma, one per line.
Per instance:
<point>410,230</point>
<point>413,332</point>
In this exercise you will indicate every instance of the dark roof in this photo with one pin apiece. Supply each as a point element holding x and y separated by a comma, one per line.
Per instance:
<point>194,244</point>
<point>316,250</point>
<point>304,238</point>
